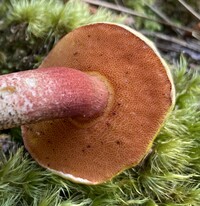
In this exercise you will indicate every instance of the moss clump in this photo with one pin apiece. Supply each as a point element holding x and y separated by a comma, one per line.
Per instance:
<point>30,28</point>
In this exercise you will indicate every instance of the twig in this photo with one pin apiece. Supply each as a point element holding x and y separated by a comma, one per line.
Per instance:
<point>173,40</point>
<point>196,35</point>
<point>189,8</point>
<point>161,15</point>
<point>178,49</point>
<point>131,12</point>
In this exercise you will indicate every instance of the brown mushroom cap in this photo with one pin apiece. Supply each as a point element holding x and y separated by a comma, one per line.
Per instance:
<point>141,95</point>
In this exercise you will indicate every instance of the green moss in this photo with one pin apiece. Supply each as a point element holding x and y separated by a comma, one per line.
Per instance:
<point>30,28</point>
<point>43,16</point>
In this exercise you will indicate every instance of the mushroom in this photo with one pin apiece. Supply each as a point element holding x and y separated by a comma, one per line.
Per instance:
<point>90,123</point>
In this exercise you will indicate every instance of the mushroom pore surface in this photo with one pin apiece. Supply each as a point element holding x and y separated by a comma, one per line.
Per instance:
<point>141,96</point>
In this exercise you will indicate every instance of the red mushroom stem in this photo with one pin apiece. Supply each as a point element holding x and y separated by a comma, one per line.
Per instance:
<point>49,93</point>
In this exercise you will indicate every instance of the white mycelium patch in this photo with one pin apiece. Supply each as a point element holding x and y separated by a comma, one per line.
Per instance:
<point>7,107</point>
<point>24,98</point>
<point>14,101</point>
<point>31,82</point>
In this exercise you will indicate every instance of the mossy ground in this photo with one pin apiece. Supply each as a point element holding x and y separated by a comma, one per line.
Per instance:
<point>168,176</point>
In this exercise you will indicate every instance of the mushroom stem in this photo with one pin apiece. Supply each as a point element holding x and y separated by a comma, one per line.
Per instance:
<point>50,93</point>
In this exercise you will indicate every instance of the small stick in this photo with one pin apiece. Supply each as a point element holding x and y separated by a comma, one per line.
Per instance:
<point>133,13</point>
<point>173,40</point>
<point>190,9</point>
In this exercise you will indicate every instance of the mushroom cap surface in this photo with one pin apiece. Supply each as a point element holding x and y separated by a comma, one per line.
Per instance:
<point>142,94</point>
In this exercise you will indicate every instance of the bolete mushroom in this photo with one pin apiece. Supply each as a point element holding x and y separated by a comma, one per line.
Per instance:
<point>99,118</point>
